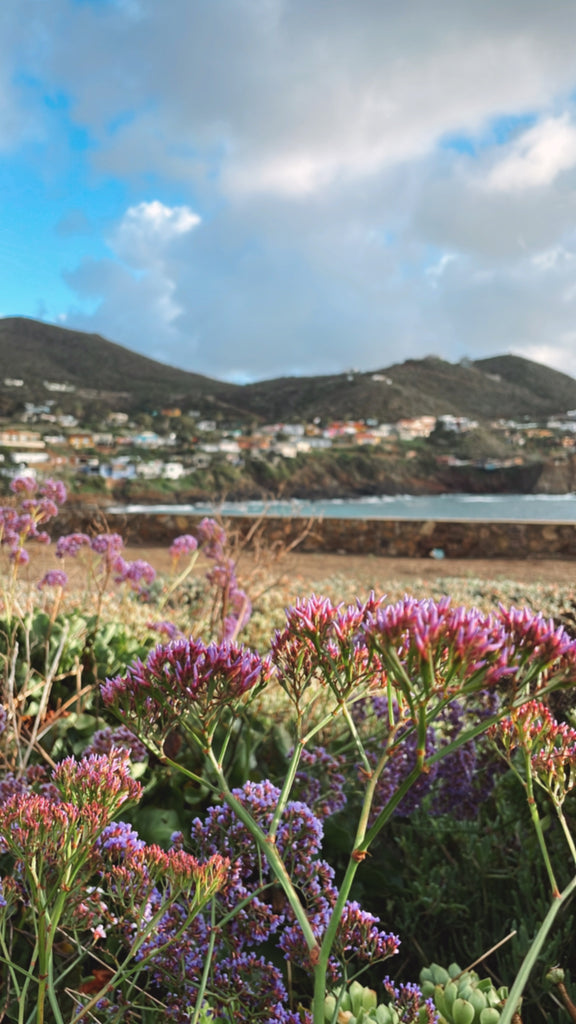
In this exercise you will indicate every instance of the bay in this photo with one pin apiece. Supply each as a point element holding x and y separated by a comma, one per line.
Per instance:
<point>496,507</point>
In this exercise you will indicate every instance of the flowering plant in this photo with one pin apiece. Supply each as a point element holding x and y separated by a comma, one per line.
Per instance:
<point>420,657</point>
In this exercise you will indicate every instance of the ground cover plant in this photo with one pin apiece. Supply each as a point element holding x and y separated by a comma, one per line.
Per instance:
<point>197,830</point>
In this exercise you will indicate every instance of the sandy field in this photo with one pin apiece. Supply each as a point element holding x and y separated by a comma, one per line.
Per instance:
<point>301,571</point>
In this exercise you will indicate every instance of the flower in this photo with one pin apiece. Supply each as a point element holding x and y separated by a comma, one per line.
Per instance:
<point>186,544</point>
<point>23,485</point>
<point>53,578</point>
<point>107,544</point>
<point>213,539</point>
<point>185,683</point>
<point>71,543</point>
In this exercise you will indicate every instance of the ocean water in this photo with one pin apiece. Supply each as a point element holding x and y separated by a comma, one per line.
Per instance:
<point>509,507</point>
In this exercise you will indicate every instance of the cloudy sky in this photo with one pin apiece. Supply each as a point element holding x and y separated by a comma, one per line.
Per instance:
<point>249,188</point>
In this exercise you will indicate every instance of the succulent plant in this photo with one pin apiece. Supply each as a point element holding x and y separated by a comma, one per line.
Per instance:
<point>359,1005</point>
<point>462,997</point>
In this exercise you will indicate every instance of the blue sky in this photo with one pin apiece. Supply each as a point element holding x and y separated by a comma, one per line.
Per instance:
<point>250,188</point>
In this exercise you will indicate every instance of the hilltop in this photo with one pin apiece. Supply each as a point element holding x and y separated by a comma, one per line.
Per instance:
<point>74,368</point>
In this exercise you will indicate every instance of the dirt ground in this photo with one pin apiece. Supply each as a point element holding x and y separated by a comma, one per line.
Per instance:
<point>372,571</point>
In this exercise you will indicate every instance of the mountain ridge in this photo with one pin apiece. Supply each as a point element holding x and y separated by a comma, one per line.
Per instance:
<point>106,375</point>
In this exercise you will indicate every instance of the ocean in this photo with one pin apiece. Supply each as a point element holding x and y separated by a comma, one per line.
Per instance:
<point>509,507</point>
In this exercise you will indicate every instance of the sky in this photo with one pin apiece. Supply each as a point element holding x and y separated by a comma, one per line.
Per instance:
<point>255,188</point>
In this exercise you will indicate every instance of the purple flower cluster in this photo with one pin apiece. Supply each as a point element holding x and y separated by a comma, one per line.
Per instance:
<point>71,544</point>
<point>53,578</point>
<point>402,754</point>
<point>186,544</point>
<point>236,605</point>
<point>185,683</point>
<point>120,738</point>
<point>243,982</point>
<point>37,504</point>
<point>409,1003</point>
<point>164,626</point>
<point>212,537</point>
<point>34,780</point>
<point>139,574</point>
<point>232,607</point>
<point>320,782</point>
<point>454,785</point>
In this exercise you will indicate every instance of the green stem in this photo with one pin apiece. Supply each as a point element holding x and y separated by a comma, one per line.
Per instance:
<point>286,790</point>
<point>566,830</point>
<point>207,965</point>
<point>533,954</point>
<point>7,959</point>
<point>538,825</point>
<point>25,986</point>
<point>355,736</point>
<point>362,841</point>
<point>179,580</point>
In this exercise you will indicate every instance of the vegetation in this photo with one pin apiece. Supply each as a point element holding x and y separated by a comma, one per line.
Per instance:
<point>208,832</point>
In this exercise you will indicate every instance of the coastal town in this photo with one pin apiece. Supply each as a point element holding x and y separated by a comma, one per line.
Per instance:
<point>177,445</point>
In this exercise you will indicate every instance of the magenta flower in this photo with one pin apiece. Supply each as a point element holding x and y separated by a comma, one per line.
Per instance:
<point>170,631</point>
<point>137,573</point>
<point>325,642</point>
<point>19,556</point>
<point>549,745</point>
<point>185,683</point>
<point>104,779</point>
<point>108,544</point>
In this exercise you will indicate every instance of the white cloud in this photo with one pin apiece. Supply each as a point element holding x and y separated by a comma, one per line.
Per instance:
<point>287,98</point>
<point>146,230</point>
<point>137,297</point>
<point>537,157</point>
<point>325,147</point>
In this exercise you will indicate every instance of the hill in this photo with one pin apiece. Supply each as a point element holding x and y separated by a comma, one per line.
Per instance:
<point>96,369</point>
<point>418,387</point>
<point>88,371</point>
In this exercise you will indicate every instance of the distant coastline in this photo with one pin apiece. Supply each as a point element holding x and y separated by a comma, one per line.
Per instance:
<point>560,508</point>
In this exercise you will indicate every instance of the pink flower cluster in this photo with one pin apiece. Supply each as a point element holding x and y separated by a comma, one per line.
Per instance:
<point>444,649</point>
<point>324,642</point>
<point>549,745</point>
